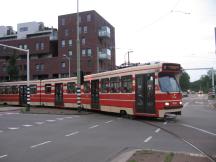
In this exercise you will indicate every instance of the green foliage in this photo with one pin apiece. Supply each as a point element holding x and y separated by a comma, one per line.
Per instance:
<point>12,68</point>
<point>169,157</point>
<point>184,81</point>
<point>204,83</point>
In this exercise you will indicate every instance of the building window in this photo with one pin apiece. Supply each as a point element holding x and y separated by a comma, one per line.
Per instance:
<point>20,46</point>
<point>70,42</point>
<point>23,29</point>
<point>89,52</point>
<point>37,46</point>
<point>62,21</point>
<point>63,65</point>
<point>38,67</point>
<point>42,46</point>
<point>88,17</point>
<point>83,41</point>
<point>70,53</point>
<point>66,32</point>
<point>80,19</point>
<point>63,43</point>
<point>80,30</point>
<point>83,52</point>
<point>25,46</point>
<point>89,63</point>
<point>85,29</point>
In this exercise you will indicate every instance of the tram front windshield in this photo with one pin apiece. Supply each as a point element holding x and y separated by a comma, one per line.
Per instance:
<point>168,83</point>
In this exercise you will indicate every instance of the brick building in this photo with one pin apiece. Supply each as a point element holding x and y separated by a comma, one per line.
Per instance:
<point>50,50</point>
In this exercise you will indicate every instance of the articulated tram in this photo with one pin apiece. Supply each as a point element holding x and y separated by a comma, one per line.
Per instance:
<point>145,90</point>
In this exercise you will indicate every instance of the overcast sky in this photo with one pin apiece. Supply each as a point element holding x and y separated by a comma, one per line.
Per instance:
<point>180,31</point>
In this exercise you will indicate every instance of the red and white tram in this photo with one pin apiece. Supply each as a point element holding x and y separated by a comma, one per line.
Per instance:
<point>145,90</point>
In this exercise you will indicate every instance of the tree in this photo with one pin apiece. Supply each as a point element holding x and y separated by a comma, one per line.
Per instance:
<point>12,68</point>
<point>184,81</point>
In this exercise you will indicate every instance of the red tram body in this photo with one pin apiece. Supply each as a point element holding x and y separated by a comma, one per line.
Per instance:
<point>145,90</point>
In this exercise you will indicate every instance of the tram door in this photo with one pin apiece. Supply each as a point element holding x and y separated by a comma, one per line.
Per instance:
<point>22,95</point>
<point>145,93</point>
<point>59,94</point>
<point>95,94</point>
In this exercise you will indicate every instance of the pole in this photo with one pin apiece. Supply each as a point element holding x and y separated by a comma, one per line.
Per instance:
<point>78,62</point>
<point>98,63</point>
<point>28,86</point>
<point>213,87</point>
<point>69,66</point>
<point>128,58</point>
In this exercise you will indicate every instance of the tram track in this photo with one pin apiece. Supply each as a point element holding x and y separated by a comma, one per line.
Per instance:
<point>211,158</point>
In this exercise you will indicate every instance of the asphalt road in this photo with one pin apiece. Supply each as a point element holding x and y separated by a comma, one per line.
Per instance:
<point>101,138</point>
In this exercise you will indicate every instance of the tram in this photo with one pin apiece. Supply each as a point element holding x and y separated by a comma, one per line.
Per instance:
<point>145,90</point>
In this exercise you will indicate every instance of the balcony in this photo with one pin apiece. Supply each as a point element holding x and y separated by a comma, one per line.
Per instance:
<point>105,54</point>
<point>104,32</point>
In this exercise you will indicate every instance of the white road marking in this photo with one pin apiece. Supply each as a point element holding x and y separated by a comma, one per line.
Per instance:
<point>39,123</point>
<point>201,130</point>
<point>13,128</point>
<point>50,120</point>
<point>94,126</point>
<point>157,130</point>
<point>69,117</point>
<point>12,113</point>
<point>2,156</point>
<point>40,144</point>
<point>77,116</point>
<point>60,118</point>
<point>148,139</point>
<point>27,125</point>
<point>109,121</point>
<point>165,123</point>
<point>1,131</point>
<point>71,134</point>
<point>119,118</point>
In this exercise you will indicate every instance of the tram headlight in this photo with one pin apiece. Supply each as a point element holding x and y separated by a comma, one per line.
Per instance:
<point>180,102</point>
<point>166,103</point>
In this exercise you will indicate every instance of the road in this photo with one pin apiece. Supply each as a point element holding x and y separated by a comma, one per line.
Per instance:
<point>102,137</point>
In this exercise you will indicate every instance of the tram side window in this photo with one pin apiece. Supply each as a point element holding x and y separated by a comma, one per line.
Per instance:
<point>33,89</point>
<point>47,88</point>
<point>105,85</point>
<point>115,85</point>
<point>71,87</point>
<point>87,88</point>
<point>14,89</point>
<point>126,83</point>
<point>1,90</point>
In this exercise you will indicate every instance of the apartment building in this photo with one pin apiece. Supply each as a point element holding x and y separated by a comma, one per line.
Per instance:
<point>52,49</point>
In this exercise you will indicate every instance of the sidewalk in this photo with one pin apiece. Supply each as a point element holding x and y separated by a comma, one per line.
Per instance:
<point>159,156</point>
<point>212,103</point>
<point>9,108</point>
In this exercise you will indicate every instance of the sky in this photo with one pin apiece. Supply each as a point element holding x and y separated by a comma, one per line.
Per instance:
<point>180,31</point>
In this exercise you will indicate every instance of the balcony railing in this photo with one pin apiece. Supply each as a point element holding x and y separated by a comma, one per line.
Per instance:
<point>104,32</point>
<point>105,54</point>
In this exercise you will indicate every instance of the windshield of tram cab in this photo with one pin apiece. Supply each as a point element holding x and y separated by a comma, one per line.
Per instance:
<point>168,83</point>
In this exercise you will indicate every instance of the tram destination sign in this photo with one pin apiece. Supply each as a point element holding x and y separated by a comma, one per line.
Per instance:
<point>171,67</point>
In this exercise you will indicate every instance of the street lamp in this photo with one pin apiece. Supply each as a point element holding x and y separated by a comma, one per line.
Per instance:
<point>68,57</point>
<point>129,57</point>
<point>78,62</point>
<point>28,71</point>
